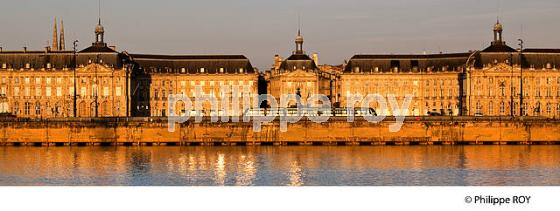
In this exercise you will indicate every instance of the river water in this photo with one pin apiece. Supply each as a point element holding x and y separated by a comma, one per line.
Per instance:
<point>282,166</point>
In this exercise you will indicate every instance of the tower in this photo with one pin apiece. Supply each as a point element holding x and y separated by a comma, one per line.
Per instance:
<point>299,43</point>
<point>99,34</point>
<point>62,44</point>
<point>54,43</point>
<point>498,30</point>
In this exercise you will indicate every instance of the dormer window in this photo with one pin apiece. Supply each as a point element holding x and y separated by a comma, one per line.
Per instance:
<point>202,70</point>
<point>221,70</point>
<point>4,66</point>
<point>548,66</point>
<point>48,65</point>
<point>376,69</point>
<point>241,70</point>
<point>356,69</point>
<point>27,66</point>
<point>183,70</point>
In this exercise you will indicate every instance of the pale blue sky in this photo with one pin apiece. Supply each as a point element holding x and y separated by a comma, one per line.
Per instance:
<point>260,29</point>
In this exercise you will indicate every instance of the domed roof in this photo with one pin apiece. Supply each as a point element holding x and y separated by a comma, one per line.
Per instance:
<point>299,38</point>
<point>498,26</point>
<point>99,28</point>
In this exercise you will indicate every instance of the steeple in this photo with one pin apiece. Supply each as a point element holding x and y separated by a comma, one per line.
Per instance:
<point>299,43</point>
<point>498,30</point>
<point>54,44</point>
<point>62,41</point>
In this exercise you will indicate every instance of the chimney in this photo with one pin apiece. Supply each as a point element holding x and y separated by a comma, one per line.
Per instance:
<point>316,58</point>
<point>47,49</point>
<point>113,47</point>
<point>25,49</point>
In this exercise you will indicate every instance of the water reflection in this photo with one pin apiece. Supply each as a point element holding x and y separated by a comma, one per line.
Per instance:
<point>274,166</point>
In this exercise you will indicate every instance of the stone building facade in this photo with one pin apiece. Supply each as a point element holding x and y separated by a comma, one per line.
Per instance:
<point>477,83</point>
<point>298,75</point>
<point>100,82</point>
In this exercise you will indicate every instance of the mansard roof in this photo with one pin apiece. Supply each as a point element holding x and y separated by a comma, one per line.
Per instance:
<point>98,49</point>
<point>498,48</point>
<point>298,61</point>
<point>56,59</point>
<point>407,62</point>
<point>193,63</point>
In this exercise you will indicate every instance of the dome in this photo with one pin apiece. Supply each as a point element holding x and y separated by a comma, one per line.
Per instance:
<point>498,26</point>
<point>299,38</point>
<point>99,28</point>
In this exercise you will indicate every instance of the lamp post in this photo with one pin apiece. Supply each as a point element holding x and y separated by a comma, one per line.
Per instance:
<point>511,88</point>
<point>75,45</point>
<point>521,105</point>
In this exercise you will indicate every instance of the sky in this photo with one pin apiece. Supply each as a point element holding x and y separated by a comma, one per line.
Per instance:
<point>260,29</point>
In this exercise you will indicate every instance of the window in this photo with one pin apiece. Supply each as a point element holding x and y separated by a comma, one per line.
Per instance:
<point>221,70</point>
<point>202,70</point>
<point>27,108</point>
<point>37,80</point>
<point>548,109</point>
<point>37,91</point>
<point>48,91</point>
<point>502,108</point>
<point>38,108</point>
<point>59,91</point>
<point>106,91</point>
<point>414,64</point>
<point>478,108</point>
<point>16,91</point>
<point>491,108</point>
<point>83,92</point>
<point>118,91</point>
<point>241,70</point>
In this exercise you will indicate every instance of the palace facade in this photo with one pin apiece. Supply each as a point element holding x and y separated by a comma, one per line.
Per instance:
<point>99,81</point>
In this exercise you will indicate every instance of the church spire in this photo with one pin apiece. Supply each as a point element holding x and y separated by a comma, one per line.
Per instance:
<point>62,41</point>
<point>54,46</point>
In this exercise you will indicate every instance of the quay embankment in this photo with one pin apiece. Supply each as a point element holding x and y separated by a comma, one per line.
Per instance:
<point>337,131</point>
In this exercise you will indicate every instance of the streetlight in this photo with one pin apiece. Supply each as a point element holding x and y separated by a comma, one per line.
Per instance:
<point>521,105</point>
<point>75,43</point>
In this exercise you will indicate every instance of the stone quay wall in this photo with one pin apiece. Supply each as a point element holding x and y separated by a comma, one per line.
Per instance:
<point>337,131</point>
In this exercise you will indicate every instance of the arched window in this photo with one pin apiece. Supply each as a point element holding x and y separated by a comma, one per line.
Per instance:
<point>478,108</point>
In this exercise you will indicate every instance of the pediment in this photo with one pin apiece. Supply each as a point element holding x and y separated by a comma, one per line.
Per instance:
<point>300,73</point>
<point>94,68</point>
<point>500,68</point>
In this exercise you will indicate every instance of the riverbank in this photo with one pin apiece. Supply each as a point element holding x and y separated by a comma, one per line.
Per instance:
<point>154,131</point>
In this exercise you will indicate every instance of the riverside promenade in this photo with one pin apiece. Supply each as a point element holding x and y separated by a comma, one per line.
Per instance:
<point>337,131</point>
